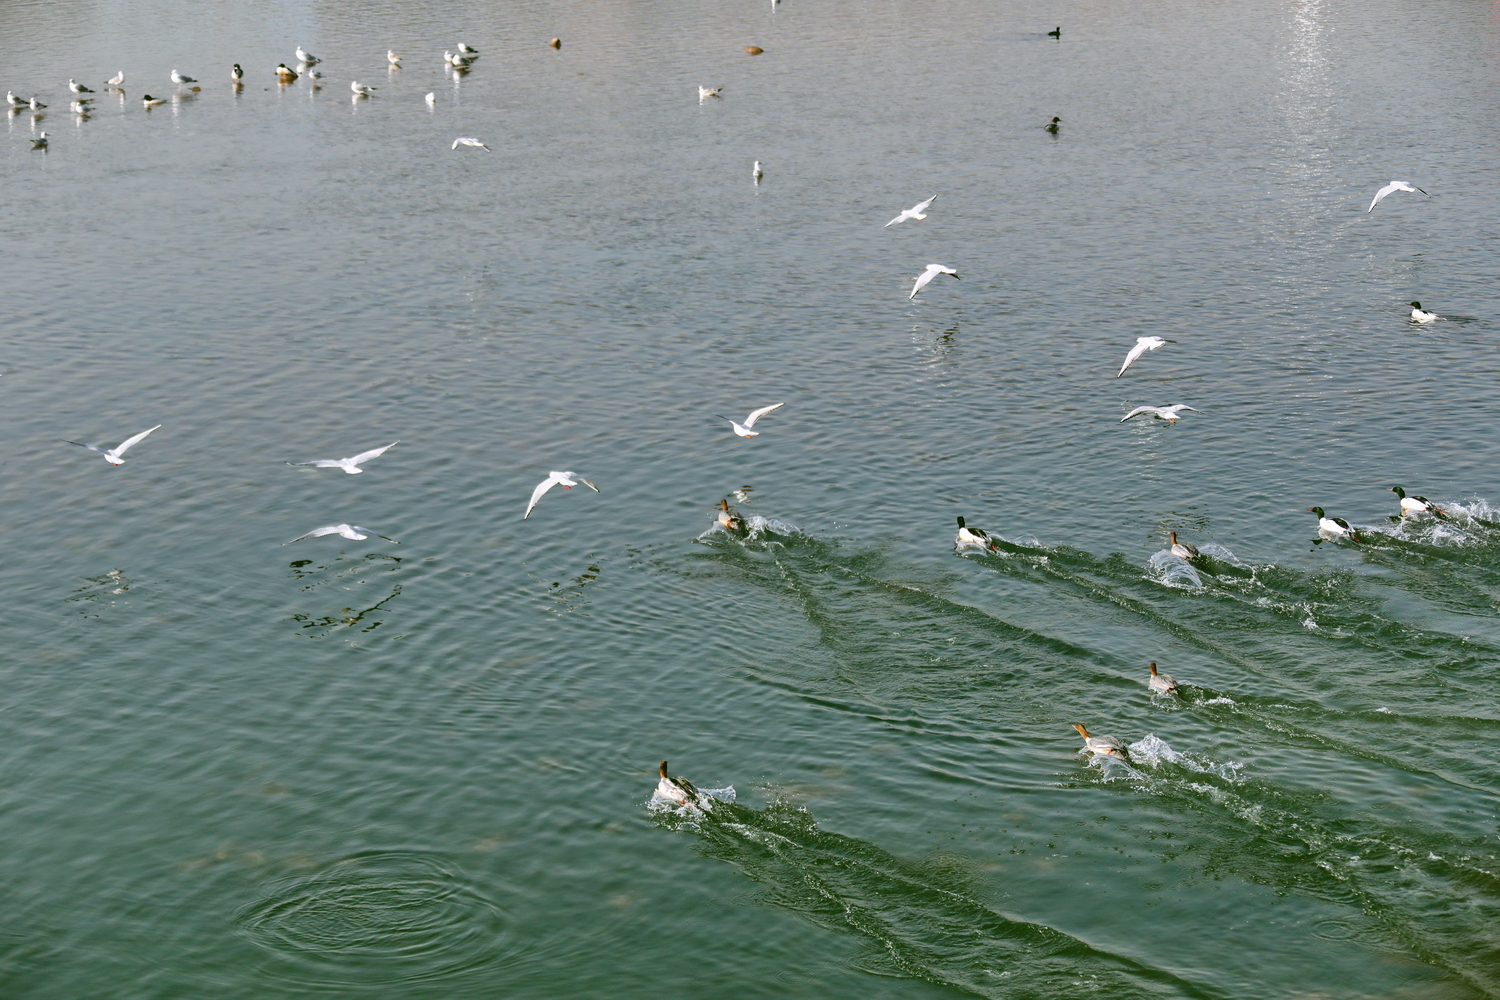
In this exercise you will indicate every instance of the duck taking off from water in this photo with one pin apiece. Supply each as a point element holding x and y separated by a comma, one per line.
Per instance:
<point>974,536</point>
<point>1417,505</point>
<point>679,790</point>
<point>1161,683</point>
<point>730,520</point>
<point>1181,550</point>
<point>1333,527</point>
<point>1106,745</point>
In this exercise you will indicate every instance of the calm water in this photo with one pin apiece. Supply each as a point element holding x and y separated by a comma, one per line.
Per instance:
<point>419,770</point>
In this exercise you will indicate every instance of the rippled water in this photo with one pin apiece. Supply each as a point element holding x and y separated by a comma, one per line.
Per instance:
<point>422,769</point>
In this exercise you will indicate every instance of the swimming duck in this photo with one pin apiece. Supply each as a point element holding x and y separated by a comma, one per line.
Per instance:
<point>679,790</point>
<point>236,74</point>
<point>974,536</point>
<point>285,73</point>
<point>1161,683</point>
<point>1106,745</point>
<point>1055,32</point>
<point>1052,125</point>
<point>1333,527</point>
<point>150,102</point>
<point>1181,550</point>
<point>730,520</point>
<point>1420,315</point>
<point>1416,504</point>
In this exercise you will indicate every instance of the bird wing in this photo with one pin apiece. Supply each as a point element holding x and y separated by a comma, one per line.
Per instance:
<point>1138,410</point>
<point>587,483</point>
<point>322,463</point>
<point>922,206</point>
<point>922,279</point>
<point>1392,186</point>
<point>327,529</point>
<point>90,447</point>
<point>753,417</point>
<point>365,456</point>
<point>536,494</point>
<point>1184,406</point>
<point>367,532</point>
<point>900,218</point>
<point>130,441</point>
<point>1140,348</point>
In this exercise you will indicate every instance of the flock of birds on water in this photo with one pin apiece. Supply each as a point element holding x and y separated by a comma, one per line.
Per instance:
<point>672,790</point>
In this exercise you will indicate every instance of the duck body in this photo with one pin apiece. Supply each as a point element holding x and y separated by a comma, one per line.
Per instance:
<point>679,790</point>
<point>730,520</point>
<point>1417,505</point>
<point>974,536</point>
<point>1420,315</point>
<point>1108,746</point>
<point>1333,527</point>
<point>1161,683</point>
<point>285,73</point>
<point>1053,124</point>
<point>148,101</point>
<point>1181,550</point>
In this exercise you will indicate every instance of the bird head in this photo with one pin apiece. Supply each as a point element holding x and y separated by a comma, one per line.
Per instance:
<point>960,522</point>
<point>1316,510</point>
<point>1399,492</point>
<point>1081,731</point>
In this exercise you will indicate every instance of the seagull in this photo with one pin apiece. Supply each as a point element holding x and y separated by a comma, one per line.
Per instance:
<point>361,89</point>
<point>679,790</point>
<point>1392,187</point>
<point>178,78</point>
<point>756,172</point>
<point>392,58</point>
<point>77,87</point>
<point>80,109</point>
<point>1161,683</point>
<point>704,93</point>
<point>1420,315</point>
<point>1417,505</point>
<point>933,270</point>
<point>456,59</point>
<point>350,531</point>
<point>236,74</point>
<point>1333,527</point>
<point>150,102</point>
<point>285,73</point>
<point>468,140</point>
<point>917,211</point>
<point>467,50</point>
<point>112,455</point>
<point>40,142</point>
<point>36,105</point>
<point>14,101</point>
<point>115,80</point>
<point>1052,125</point>
<point>349,465</point>
<point>974,536</point>
<point>567,480</point>
<point>307,57</point>
<point>1168,413</point>
<point>743,430</point>
<point>1142,345</point>
<point>431,100</point>
<point>1182,550</point>
<point>1106,745</point>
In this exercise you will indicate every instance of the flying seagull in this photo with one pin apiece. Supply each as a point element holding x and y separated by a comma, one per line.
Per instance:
<point>349,465</point>
<point>113,455</point>
<point>567,480</point>
<point>1142,345</point>
<point>351,531</point>
<point>1391,188</point>
<point>1167,413</point>
<point>917,211</point>
<point>469,140</point>
<point>743,430</point>
<point>933,270</point>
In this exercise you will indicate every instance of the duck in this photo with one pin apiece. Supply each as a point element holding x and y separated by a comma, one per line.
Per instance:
<point>1106,745</point>
<point>77,87</point>
<point>974,536</point>
<point>236,74</point>
<point>1055,32</point>
<point>1161,683</point>
<point>679,790</point>
<point>1333,527</point>
<point>1417,505</point>
<point>150,102</point>
<point>729,519</point>
<point>1420,315</point>
<point>1182,550</point>
<point>285,73</point>
<point>1052,125</point>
